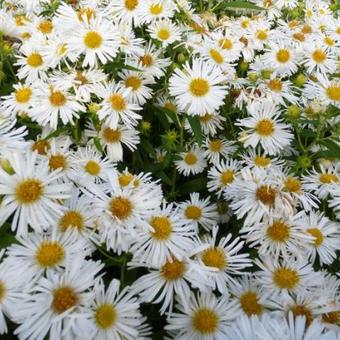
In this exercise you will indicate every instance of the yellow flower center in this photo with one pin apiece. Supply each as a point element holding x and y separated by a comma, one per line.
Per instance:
<point>93,40</point>
<point>2,291</point>
<point>34,60</point>
<point>250,303</point>
<point>292,185</point>
<point>226,44</point>
<point>57,98</point>
<point>173,270</point>
<point>206,118</point>
<point>71,219</point>
<point>146,60</point>
<point>125,179</point>
<point>306,29</point>
<point>57,161</point>
<point>262,35</point>
<point>41,146</point>
<point>88,12</point>
<point>92,168</point>
<point>299,36</point>
<point>328,41</point>
<point>162,227</point>
<point>278,231</point>
<point>319,56</point>
<point>49,254</point>
<point>112,136</point>
<point>286,278</point>
<point>215,145</point>
<point>303,311</point>
<point>215,257</point>
<point>227,177</point>
<point>23,95</point>
<point>62,49</point>
<point>190,158</point>
<point>245,23</point>
<point>64,298</point>
<point>131,4</point>
<point>216,56</point>
<point>80,78</point>
<point>318,236</point>
<point>205,321</point>
<point>106,316</point>
<point>328,178</point>
<point>275,85</point>
<point>266,194</point>
<point>170,106</point>
<point>156,9</point>
<point>262,161</point>
<point>29,191</point>
<point>121,207</point>
<point>199,87</point>
<point>163,34</point>
<point>333,92</point>
<point>193,212</point>
<point>265,127</point>
<point>133,82</point>
<point>282,55</point>
<point>332,317</point>
<point>45,26</point>
<point>117,102</point>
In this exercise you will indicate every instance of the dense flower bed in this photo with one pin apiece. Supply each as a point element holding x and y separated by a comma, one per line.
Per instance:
<point>170,169</point>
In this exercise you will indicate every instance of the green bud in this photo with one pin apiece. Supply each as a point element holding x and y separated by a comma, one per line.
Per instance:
<point>295,13</point>
<point>145,127</point>
<point>294,111</point>
<point>266,74</point>
<point>93,107</point>
<point>181,58</point>
<point>252,76</point>
<point>6,166</point>
<point>243,66</point>
<point>304,162</point>
<point>171,136</point>
<point>300,80</point>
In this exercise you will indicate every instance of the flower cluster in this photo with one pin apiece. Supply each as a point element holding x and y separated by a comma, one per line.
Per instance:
<point>170,168</point>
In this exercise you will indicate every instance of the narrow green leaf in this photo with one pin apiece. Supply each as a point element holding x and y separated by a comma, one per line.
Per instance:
<point>56,133</point>
<point>98,145</point>
<point>332,147</point>
<point>147,146</point>
<point>172,115</point>
<point>194,185</point>
<point>196,128</point>
<point>238,5</point>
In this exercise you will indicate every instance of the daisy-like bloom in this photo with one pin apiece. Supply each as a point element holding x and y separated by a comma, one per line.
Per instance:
<point>243,328</point>
<point>283,59</point>
<point>96,39</point>
<point>325,234</point>
<point>327,90</point>
<point>250,296</point>
<point>317,59</point>
<point>217,148</point>
<point>150,62</point>
<point>165,31</point>
<point>322,182</point>
<point>122,209</point>
<point>31,193</point>
<point>116,107</point>
<point>88,166</point>
<point>113,314</point>
<point>288,275</point>
<point>197,89</point>
<point>112,140</point>
<point>224,258</point>
<point>265,127</point>
<point>191,161</point>
<point>276,236</point>
<point>207,317</point>
<point>198,211</point>
<point>334,203</point>
<point>129,44</point>
<point>136,82</point>
<point>163,237</point>
<point>54,103</point>
<point>57,301</point>
<point>221,175</point>
<point>152,10</point>
<point>10,137</point>
<point>32,64</point>
<point>20,100</point>
<point>255,158</point>
<point>171,279</point>
<point>38,253</point>
<point>210,123</point>
<point>126,11</point>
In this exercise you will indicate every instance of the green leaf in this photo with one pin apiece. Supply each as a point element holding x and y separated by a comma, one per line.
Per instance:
<point>196,128</point>
<point>194,185</point>
<point>238,5</point>
<point>98,145</point>
<point>56,133</point>
<point>147,146</point>
<point>172,115</point>
<point>332,147</point>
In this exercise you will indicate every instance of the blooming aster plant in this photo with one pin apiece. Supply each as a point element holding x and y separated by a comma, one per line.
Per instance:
<point>169,169</point>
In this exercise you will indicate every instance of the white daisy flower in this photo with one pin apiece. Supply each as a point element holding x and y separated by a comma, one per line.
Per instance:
<point>165,31</point>
<point>129,44</point>
<point>126,11</point>
<point>265,127</point>
<point>152,10</point>
<point>31,193</point>
<point>223,257</point>
<point>210,123</point>
<point>207,317</point>
<point>198,211</point>
<point>57,302</point>
<point>11,138</point>
<point>191,161</point>
<point>197,89</point>
<point>255,158</point>
<point>116,106</point>
<point>216,148</point>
